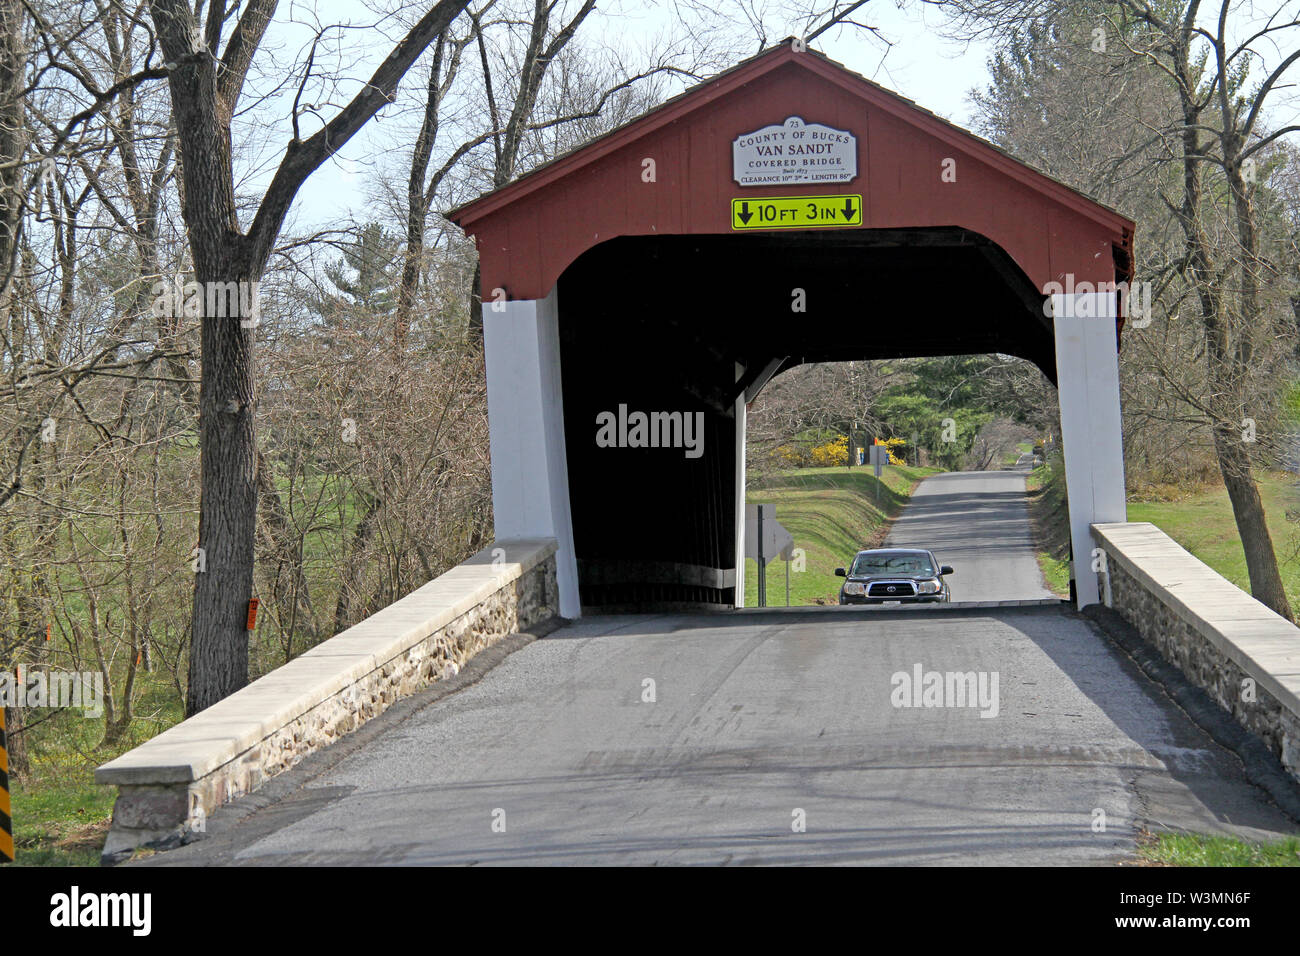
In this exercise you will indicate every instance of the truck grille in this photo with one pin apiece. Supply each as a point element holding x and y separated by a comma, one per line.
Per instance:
<point>892,589</point>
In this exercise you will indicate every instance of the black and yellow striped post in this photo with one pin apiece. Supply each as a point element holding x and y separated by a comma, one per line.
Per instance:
<point>6,820</point>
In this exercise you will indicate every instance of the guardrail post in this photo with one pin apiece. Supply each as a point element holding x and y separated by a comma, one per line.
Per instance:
<point>6,814</point>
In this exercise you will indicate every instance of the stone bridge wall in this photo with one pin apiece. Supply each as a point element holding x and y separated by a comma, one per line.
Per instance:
<point>1243,655</point>
<point>170,784</point>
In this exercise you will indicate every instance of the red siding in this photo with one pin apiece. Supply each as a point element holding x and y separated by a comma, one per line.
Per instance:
<point>530,231</point>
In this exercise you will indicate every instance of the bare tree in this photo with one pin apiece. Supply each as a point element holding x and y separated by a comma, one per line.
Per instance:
<point>1216,130</point>
<point>206,82</point>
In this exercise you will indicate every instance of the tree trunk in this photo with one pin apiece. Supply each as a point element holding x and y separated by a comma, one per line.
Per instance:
<point>1225,362</point>
<point>205,92</point>
<point>417,204</point>
<point>228,509</point>
<point>16,742</point>
<point>1252,527</point>
<point>13,141</point>
<point>476,306</point>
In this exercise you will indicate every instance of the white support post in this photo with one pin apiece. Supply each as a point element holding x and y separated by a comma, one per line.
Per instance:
<point>1087,372</point>
<point>741,422</point>
<point>530,472</point>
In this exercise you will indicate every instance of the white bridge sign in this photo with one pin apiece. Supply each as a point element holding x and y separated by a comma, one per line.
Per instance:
<point>794,152</point>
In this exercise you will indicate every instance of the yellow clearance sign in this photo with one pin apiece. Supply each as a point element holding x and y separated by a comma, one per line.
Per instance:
<point>796,212</point>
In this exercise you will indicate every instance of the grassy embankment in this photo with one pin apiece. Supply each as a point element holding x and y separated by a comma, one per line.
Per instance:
<point>1201,521</point>
<point>60,815</point>
<point>1050,516</point>
<point>831,513</point>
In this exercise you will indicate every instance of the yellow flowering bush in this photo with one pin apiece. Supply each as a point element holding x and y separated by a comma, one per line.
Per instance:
<point>834,452</point>
<point>790,456</point>
<point>894,444</point>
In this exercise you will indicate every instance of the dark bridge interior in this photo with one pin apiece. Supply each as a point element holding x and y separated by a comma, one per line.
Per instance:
<point>690,323</point>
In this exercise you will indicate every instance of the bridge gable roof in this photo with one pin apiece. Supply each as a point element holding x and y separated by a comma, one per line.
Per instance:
<point>530,230</point>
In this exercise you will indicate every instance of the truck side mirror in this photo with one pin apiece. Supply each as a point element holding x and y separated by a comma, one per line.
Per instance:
<point>946,569</point>
<point>839,573</point>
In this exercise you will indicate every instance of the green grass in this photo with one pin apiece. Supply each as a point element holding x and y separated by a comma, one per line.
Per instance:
<point>1179,849</point>
<point>1199,519</point>
<point>1056,572</point>
<point>61,825</point>
<point>1050,515</point>
<point>60,814</point>
<point>1013,456</point>
<point>831,513</point>
<point>1202,522</point>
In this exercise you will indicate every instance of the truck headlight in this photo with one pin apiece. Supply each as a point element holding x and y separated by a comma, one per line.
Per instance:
<point>928,587</point>
<point>855,587</point>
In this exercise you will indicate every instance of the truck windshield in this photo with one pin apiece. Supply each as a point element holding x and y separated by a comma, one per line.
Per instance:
<point>892,562</point>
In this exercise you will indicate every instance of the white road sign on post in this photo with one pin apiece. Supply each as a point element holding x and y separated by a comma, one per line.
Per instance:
<point>765,540</point>
<point>777,542</point>
<point>879,458</point>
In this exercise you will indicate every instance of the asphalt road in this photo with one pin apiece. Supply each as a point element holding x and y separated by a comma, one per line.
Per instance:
<point>762,720</point>
<point>976,521</point>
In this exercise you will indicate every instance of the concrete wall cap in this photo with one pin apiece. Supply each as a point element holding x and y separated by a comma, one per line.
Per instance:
<point>1261,642</point>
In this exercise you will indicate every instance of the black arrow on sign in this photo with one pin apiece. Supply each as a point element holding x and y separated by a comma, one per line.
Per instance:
<point>745,215</point>
<point>848,210</point>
